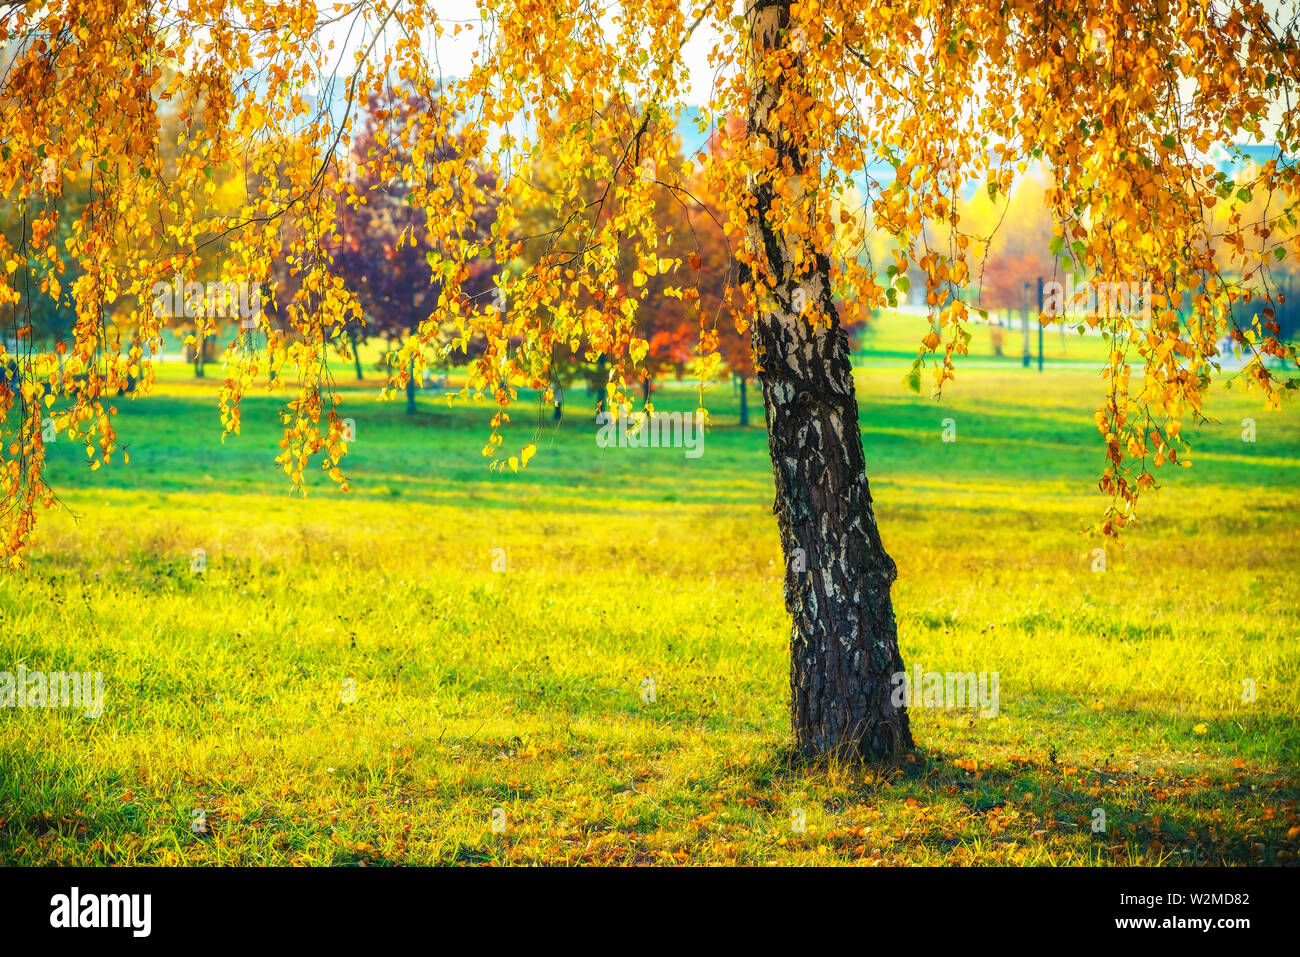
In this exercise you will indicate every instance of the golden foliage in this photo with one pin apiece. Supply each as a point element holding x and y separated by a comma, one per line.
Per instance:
<point>1122,102</point>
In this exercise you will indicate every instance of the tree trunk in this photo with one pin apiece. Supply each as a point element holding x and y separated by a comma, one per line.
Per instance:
<point>200,356</point>
<point>410,388</point>
<point>1024,325</point>
<point>844,642</point>
<point>356,356</point>
<point>744,402</point>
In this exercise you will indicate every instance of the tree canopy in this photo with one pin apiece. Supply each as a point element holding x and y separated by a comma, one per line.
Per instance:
<point>1123,102</point>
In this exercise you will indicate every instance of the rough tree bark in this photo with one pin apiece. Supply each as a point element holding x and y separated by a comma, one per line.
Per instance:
<point>844,642</point>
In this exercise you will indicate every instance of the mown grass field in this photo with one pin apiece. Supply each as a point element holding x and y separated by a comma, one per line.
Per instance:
<point>521,689</point>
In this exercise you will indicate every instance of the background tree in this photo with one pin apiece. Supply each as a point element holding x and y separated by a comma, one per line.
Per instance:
<point>384,249</point>
<point>668,330</point>
<point>48,310</point>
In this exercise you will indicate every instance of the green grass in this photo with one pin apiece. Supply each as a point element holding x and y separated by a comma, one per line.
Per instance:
<point>896,336</point>
<point>521,689</point>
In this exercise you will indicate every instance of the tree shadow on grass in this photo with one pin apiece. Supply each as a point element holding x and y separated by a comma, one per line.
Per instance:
<point>937,802</point>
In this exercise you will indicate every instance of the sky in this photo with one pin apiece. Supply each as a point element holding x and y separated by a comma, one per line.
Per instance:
<point>454,55</point>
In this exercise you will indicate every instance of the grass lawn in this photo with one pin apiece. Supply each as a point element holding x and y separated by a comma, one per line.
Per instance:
<point>496,632</point>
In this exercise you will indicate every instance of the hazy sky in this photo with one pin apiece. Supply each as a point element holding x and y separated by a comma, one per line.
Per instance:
<point>454,54</point>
